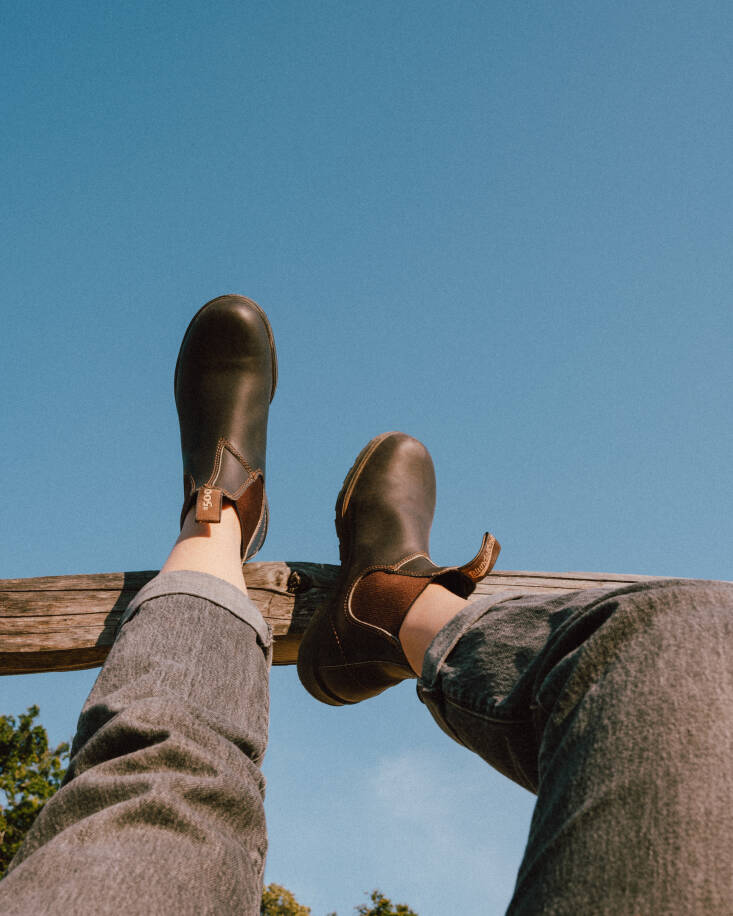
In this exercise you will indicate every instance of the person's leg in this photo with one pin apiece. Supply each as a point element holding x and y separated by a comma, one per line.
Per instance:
<point>616,708</point>
<point>162,808</point>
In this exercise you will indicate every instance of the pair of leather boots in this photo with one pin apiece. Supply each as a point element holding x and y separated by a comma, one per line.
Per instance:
<point>224,382</point>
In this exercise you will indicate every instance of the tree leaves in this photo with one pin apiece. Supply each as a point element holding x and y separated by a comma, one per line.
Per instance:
<point>30,773</point>
<point>382,906</point>
<point>277,901</point>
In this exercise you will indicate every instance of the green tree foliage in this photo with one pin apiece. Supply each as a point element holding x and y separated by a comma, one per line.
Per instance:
<point>381,906</point>
<point>278,901</point>
<point>29,775</point>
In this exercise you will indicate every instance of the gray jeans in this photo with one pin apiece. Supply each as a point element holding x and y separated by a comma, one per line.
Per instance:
<point>615,707</point>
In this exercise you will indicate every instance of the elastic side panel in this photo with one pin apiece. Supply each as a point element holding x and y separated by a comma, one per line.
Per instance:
<point>249,509</point>
<point>383,599</point>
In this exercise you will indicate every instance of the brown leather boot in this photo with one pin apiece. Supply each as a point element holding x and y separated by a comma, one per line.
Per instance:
<point>225,379</point>
<point>384,511</point>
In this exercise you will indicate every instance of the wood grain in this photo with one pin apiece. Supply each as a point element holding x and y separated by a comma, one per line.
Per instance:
<point>65,623</point>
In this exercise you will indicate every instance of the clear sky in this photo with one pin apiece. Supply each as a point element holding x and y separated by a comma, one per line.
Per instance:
<point>504,228</point>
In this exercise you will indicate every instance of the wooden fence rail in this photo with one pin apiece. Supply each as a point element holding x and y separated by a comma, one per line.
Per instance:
<point>65,623</point>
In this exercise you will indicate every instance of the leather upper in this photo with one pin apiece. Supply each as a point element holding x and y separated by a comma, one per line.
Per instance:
<point>384,512</point>
<point>224,381</point>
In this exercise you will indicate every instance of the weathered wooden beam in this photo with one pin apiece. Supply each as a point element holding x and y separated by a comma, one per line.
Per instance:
<point>65,623</point>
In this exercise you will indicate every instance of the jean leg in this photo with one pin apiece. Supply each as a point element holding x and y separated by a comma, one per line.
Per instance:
<point>162,809</point>
<point>622,722</point>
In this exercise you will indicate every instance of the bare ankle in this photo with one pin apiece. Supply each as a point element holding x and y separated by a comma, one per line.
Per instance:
<point>212,548</point>
<point>432,610</point>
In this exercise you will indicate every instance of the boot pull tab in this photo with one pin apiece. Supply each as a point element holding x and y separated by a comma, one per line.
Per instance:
<point>482,564</point>
<point>208,504</point>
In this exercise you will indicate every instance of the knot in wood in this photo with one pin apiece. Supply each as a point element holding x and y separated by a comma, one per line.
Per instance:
<point>298,582</point>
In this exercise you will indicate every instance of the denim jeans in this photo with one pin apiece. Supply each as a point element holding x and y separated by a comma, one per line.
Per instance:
<point>162,808</point>
<point>614,706</point>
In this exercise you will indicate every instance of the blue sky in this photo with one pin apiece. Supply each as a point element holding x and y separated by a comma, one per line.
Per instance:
<point>503,228</point>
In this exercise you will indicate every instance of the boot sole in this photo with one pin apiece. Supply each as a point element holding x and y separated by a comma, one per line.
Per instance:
<point>347,488</point>
<point>319,628</point>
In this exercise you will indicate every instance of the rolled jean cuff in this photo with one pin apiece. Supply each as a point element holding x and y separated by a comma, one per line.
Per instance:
<point>446,639</point>
<point>429,684</point>
<point>210,588</point>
